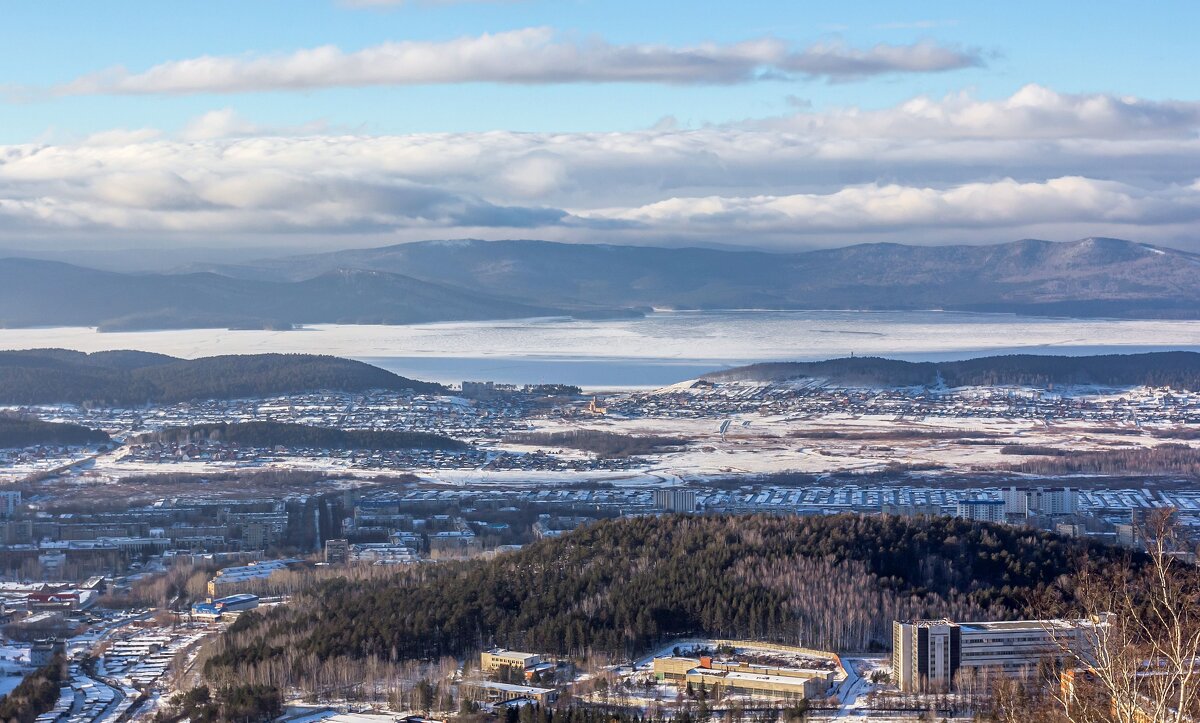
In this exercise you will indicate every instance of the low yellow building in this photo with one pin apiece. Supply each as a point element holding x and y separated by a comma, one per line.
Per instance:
<point>730,677</point>
<point>492,660</point>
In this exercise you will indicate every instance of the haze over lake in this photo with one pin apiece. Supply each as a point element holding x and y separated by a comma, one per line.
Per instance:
<point>662,348</point>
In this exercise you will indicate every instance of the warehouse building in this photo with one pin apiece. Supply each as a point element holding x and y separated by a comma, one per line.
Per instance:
<point>931,655</point>
<point>214,609</point>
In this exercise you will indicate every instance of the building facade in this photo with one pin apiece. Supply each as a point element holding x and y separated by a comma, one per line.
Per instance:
<point>981,510</point>
<point>932,655</point>
<point>1030,501</point>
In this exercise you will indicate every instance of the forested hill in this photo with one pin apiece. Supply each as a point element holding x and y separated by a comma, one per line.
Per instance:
<point>47,376</point>
<point>16,431</point>
<point>1174,369</point>
<point>270,434</point>
<point>624,585</point>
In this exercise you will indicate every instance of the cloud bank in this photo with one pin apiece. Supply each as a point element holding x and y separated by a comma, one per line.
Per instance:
<point>528,56</point>
<point>929,170</point>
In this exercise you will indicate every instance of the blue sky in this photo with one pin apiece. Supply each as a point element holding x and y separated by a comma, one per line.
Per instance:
<point>1071,46</point>
<point>73,79</point>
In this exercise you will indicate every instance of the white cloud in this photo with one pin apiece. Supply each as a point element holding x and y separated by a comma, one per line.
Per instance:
<point>527,56</point>
<point>1032,112</point>
<point>875,206</point>
<point>958,168</point>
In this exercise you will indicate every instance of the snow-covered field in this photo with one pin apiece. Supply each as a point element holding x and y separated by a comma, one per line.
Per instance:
<point>659,349</point>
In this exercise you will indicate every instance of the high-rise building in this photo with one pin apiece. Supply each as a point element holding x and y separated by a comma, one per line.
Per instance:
<point>675,499</point>
<point>337,552</point>
<point>1028,501</point>
<point>981,510</point>
<point>10,501</point>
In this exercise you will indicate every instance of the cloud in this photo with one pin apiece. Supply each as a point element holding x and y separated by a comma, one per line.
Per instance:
<point>875,206</point>
<point>528,56</point>
<point>1038,162</point>
<point>1034,111</point>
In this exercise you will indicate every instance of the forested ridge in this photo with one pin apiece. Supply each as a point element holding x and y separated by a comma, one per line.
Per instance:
<point>1174,369</point>
<point>36,694</point>
<point>622,586</point>
<point>21,431</point>
<point>48,376</point>
<point>270,434</point>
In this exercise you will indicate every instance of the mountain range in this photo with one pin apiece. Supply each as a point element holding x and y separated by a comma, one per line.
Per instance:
<point>475,280</point>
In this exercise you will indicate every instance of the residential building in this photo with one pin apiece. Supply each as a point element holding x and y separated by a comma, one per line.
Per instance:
<point>1031,501</point>
<point>981,510</point>
<point>337,552</point>
<point>675,499</point>
<point>10,502</point>
<point>43,651</point>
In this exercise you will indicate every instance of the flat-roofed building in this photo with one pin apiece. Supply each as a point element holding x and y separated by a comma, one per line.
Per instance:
<point>337,552</point>
<point>931,655</point>
<point>498,658</point>
<point>487,691</point>
<point>981,510</point>
<point>1030,501</point>
<point>734,677</point>
<point>675,499</point>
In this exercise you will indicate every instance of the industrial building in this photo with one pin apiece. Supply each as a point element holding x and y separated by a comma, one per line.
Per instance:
<point>742,678</point>
<point>932,655</point>
<point>214,609</point>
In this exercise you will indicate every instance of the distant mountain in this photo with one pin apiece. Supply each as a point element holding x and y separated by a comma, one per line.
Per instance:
<point>50,293</point>
<point>1090,277</point>
<point>1175,369</point>
<point>48,376</point>
<point>476,280</point>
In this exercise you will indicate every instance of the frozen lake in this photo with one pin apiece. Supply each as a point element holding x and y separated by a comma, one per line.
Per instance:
<point>660,349</point>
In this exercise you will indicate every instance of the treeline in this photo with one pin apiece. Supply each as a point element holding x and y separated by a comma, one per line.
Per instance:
<point>270,434</point>
<point>231,704</point>
<point>36,694</point>
<point>619,587</point>
<point>604,444</point>
<point>1174,369</point>
<point>22,431</point>
<point>1165,459</point>
<point>48,376</point>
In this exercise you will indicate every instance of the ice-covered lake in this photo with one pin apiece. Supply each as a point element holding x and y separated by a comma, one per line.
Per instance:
<point>662,348</point>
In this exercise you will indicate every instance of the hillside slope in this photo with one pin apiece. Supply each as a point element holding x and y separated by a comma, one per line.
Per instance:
<point>47,376</point>
<point>623,586</point>
<point>1175,369</point>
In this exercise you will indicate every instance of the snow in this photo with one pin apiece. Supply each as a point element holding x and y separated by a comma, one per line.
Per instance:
<point>664,347</point>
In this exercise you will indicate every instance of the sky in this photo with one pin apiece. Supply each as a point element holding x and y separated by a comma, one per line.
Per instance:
<point>785,125</point>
